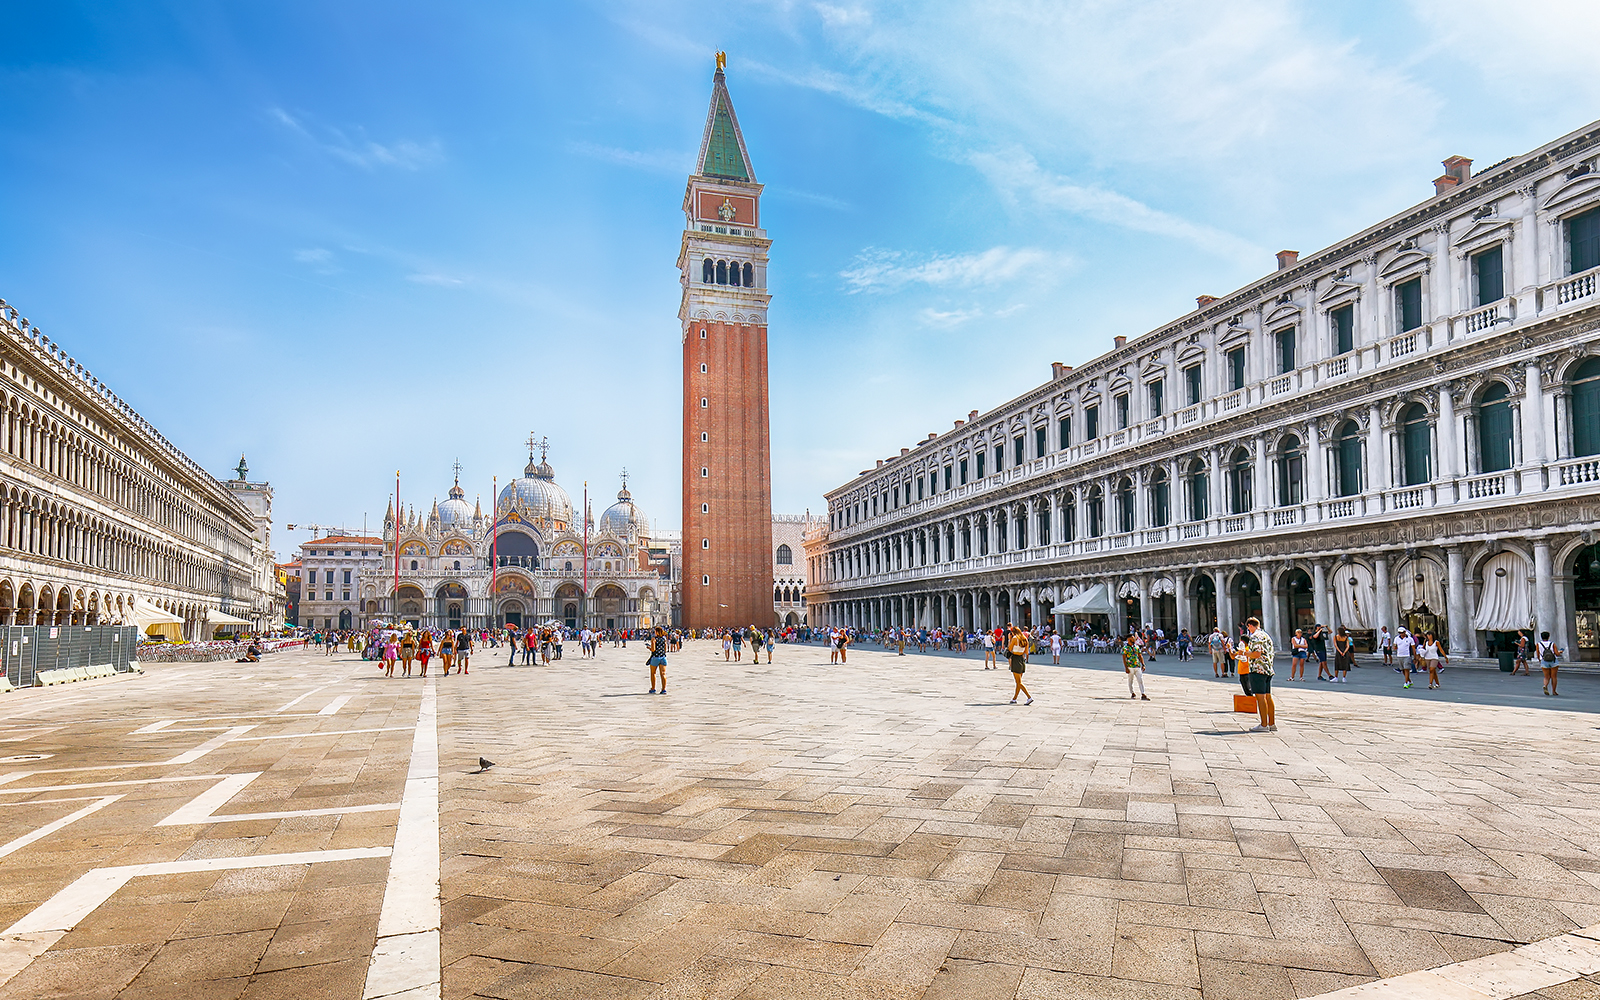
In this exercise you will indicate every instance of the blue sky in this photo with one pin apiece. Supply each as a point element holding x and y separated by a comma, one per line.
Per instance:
<point>353,237</point>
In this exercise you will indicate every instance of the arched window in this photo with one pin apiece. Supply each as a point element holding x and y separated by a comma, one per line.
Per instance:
<point>733,272</point>
<point>1586,408</point>
<point>1160,499</point>
<point>749,276</point>
<point>1199,491</point>
<point>1291,473</point>
<point>1240,494</point>
<point>785,556</point>
<point>1097,513</point>
<point>1416,446</point>
<point>777,595</point>
<point>413,564</point>
<point>722,272</point>
<point>708,271</point>
<point>1494,428</point>
<point>1069,519</point>
<point>1349,458</point>
<point>1125,505</point>
<point>458,565</point>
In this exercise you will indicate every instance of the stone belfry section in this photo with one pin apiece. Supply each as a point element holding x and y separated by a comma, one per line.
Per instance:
<point>727,463</point>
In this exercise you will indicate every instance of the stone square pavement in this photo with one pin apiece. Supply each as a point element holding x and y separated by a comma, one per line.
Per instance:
<point>890,828</point>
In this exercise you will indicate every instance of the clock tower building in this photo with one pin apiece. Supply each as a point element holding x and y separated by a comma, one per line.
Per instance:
<point>727,464</point>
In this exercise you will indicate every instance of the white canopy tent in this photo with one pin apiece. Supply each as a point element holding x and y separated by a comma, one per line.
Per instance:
<point>219,619</point>
<point>153,621</point>
<point>1093,601</point>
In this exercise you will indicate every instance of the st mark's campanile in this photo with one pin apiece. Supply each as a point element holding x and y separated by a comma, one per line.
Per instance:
<point>727,465</point>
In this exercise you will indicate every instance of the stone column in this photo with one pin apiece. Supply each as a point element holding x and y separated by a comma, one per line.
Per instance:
<point>1269,604</point>
<point>1449,457</point>
<point>1316,466</point>
<point>1219,483</point>
<point>1377,453</point>
<point>1544,591</point>
<point>1263,478</point>
<point>1385,609</point>
<point>1144,601</point>
<point>1180,601</point>
<point>1319,593</point>
<point>1461,639</point>
<point>1219,580</point>
<point>1533,448</point>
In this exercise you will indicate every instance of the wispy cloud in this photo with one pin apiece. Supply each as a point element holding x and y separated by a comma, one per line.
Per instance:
<point>947,319</point>
<point>1016,175</point>
<point>877,270</point>
<point>809,197</point>
<point>441,280</point>
<point>320,260</point>
<point>664,161</point>
<point>355,148</point>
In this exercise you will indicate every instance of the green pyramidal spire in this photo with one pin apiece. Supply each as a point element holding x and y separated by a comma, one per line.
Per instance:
<point>722,152</point>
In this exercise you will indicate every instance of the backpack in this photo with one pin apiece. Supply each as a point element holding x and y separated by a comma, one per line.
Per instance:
<point>1547,652</point>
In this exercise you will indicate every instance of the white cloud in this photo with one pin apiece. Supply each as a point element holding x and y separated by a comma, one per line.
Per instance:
<point>947,320</point>
<point>876,270</point>
<point>360,151</point>
<point>319,258</point>
<point>657,161</point>
<point>441,280</point>
<point>1017,174</point>
<point>1537,48</point>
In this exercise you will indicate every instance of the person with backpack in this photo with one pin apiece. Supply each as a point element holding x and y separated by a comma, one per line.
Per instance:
<point>658,660</point>
<point>1219,652</point>
<point>1017,651</point>
<point>1550,661</point>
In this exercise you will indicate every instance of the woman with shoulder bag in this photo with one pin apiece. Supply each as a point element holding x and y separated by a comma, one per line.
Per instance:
<point>1017,650</point>
<point>1550,661</point>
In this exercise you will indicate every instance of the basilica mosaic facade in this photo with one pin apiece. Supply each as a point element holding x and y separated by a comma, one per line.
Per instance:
<point>1402,429</point>
<point>522,564</point>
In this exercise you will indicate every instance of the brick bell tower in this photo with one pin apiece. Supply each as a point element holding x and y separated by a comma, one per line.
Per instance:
<point>727,463</point>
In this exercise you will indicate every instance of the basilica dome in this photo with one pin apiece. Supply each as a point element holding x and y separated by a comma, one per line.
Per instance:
<point>624,518</point>
<point>455,512</point>
<point>537,494</point>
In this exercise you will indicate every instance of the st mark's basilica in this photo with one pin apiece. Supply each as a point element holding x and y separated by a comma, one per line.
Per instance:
<point>526,564</point>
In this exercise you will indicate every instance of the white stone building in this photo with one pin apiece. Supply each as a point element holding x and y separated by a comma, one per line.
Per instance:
<point>524,564</point>
<point>1400,429</point>
<point>331,569</point>
<point>788,568</point>
<point>103,520</point>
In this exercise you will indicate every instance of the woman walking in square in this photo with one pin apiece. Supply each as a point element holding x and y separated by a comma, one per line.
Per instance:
<point>1017,651</point>
<point>658,660</point>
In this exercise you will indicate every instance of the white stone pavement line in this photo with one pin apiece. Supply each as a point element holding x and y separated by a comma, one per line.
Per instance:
<point>332,708</point>
<point>1531,967</point>
<point>405,961</point>
<point>49,828</point>
<point>303,697</point>
<point>37,932</point>
<point>331,732</point>
<point>29,790</point>
<point>200,809</point>
<point>187,757</point>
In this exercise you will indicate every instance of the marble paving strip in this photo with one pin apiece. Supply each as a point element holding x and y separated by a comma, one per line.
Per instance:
<point>51,827</point>
<point>405,961</point>
<point>1535,966</point>
<point>202,808</point>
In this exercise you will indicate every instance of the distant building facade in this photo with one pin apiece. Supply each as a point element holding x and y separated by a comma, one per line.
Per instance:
<point>788,568</point>
<point>103,520</point>
<point>1402,429</point>
<point>331,570</point>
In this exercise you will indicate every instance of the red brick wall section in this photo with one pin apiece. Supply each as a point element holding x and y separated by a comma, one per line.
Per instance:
<point>738,490</point>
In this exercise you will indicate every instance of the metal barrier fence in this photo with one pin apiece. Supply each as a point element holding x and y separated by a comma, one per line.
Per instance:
<point>27,650</point>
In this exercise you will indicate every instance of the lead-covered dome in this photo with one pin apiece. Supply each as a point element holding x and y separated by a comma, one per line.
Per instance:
<point>536,494</point>
<point>624,518</point>
<point>455,512</point>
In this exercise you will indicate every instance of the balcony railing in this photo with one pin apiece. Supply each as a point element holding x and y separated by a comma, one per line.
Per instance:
<point>1337,367</point>
<point>1280,385</point>
<point>1487,486</point>
<point>1402,345</point>
<point>1482,319</point>
<point>1340,508</point>
<point>1579,471</point>
<point>1579,286</point>
<point>1233,400</point>
<point>1285,515</point>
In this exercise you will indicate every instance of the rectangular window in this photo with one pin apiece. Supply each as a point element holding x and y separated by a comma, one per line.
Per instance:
<point>919,487</point>
<point>897,497</point>
<point>1038,442</point>
<point>1286,359</point>
<point>1121,403</point>
<point>963,472</point>
<point>1064,425</point>
<point>1156,391</point>
<point>933,482</point>
<point>999,457</point>
<point>347,595</point>
<point>949,476</point>
<point>1236,369</point>
<point>1192,385</point>
<point>1488,275</point>
<point>1091,422</point>
<point>1408,304</point>
<point>874,507</point>
<point>1343,321</point>
<point>1583,241</point>
<point>981,457</point>
<point>1016,448</point>
<point>347,578</point>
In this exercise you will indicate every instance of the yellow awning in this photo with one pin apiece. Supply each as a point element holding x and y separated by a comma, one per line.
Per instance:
<point>217,619</point>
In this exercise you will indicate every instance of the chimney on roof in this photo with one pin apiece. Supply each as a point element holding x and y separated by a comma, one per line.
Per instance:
<point>1121,342</point>
<point>905,451</point>
<point>1287,258</point>
<point>959,423</point>
<point>1201,301</point>
<point>971,416</point>
<point>932,435</point>
<point>879,465</point>
<point>1059,370</point>
<point>1457,171</point>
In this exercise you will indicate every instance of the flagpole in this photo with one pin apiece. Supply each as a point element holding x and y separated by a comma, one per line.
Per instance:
<point>586,553</point>
<point>396,607</point>
<point>494,541</point>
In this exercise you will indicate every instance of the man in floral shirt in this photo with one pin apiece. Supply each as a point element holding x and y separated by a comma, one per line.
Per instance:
<point>1261,653</point>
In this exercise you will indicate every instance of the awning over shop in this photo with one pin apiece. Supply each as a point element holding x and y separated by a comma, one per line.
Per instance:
<point>217,619</point>
<point>153,621</point>
<point>1091,602</point>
